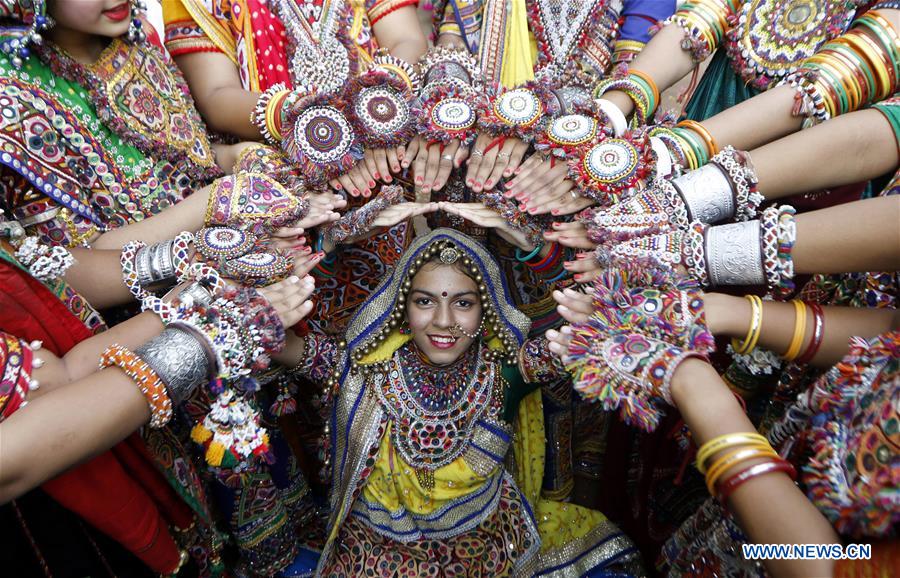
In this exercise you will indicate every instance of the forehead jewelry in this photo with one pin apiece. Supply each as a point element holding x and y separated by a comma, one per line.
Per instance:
<point>443,293</point>
<point>449,255</point>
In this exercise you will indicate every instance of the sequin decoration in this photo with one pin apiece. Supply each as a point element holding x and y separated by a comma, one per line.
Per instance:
<point>217,243</point>
<point>612,160</point>
<point>772,37</point>
<point>572,130</point>
<point>520,107</point>
<point>453,114</point>
<point>383,108</point>
<point>259,268</point>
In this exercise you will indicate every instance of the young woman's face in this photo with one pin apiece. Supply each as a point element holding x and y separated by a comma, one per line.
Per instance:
<point>109,18</point>
<point>441,299</point>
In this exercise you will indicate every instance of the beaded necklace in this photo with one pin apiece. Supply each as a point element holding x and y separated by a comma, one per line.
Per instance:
<point>435,411</point>
<point>561,29</point>
<point>321,59</point>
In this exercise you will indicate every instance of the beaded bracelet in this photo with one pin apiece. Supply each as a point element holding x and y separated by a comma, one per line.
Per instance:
<point>787,237</point>
<point>18,361</point>
<point>637,92</point>
<point>737,480</point>
<point>130,276</point>
<point>521,112</point>
<point>723,442</point>
<point>382,109</point>
<point>399,68</point>
<point>145,377</point>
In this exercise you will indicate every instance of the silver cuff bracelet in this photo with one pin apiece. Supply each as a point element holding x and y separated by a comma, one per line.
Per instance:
<point>707,193</point>
<point>195,293</point>
<point>733,254</point>
<point>142,266</point>
<point>179,359</point>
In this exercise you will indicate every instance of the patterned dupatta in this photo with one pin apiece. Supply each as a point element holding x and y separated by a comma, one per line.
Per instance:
<point>101,145</point>
<point>358,419</point>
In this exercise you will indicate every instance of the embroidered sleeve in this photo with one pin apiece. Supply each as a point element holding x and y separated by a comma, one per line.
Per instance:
<point>378,9</point>
<point>319,359</point>
<point>183,34</point>
<point>460,17</point>
<point>537,364</point>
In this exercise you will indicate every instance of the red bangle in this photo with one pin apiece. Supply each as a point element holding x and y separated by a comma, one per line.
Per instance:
<point>548,259</point>
<point>818,334</point>
<point>733,482</point>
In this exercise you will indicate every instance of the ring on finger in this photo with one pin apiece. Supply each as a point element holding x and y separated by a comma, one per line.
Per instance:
<point>574,195</point>
<point>504,156</point>
<point>477,153</point>
<point>447,158</point>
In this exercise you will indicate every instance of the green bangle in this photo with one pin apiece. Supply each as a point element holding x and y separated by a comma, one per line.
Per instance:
<point>529,256</point>
<point>885,40</point>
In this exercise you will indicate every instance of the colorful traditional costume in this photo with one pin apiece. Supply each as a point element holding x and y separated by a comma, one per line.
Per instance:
<point>437,471</point>
<point>282,42</point>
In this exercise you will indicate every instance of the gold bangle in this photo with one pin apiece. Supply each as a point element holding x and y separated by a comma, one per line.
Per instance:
<point>724,442</point>
<point>733,458</point>
<point>799,337</point>
<point>880,61</point>
<point>749,342</point>
<point>273,109</point>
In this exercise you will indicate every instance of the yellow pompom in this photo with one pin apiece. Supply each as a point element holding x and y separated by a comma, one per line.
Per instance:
<point>214,454</point>
<point>200,434</point>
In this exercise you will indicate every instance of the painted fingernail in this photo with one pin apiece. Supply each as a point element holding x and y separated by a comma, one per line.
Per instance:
<point>419,180</point>
<point>517,171</point>
<point>469,182</point>
<point>388,178</point>
<point>555,211</point>
<point>395,168</point>
<point>477,183</point>
<point>489,184</point>
<point>578,276</point>
<point>355,192</point>
<point>532,210</point>
<point>338,187</point>
<point>377,175</point>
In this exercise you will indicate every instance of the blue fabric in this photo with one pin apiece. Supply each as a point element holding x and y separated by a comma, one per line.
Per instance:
<point>303,565</point>
<point>719,89</point>
<point>640,15</point>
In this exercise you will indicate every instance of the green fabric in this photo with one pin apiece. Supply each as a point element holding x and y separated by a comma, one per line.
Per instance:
<point>892,113</point>
<point>719,89</point>
<point>516,392</point>
<point>77,101</point>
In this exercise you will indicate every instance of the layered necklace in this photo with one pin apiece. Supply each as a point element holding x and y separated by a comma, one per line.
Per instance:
<point>434,409</point>
<point>321,60</point>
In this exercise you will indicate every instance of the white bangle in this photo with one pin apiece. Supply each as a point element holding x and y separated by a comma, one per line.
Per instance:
<point>615,114</point>
<point>664,164</point>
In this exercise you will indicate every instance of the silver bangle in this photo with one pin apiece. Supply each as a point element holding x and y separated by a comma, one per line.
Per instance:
<point>195,293</point>
<point>155,270</point>
<point>179,359</point>
<point>569,97</point>
<point>142,266</point>
<point>166,264</point>
<point>733,254</point>
<point>707,193</point>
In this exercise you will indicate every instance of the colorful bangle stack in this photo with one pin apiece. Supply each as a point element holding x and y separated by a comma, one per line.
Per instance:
<point>756,315</point>
<point>639,87</point>
<point>266,114</point>
<point>145,377</point>
<point>733,450</point>
<point>706,147</point>
<point>704,23</point>
<point>849,72</point>
<point>548,268</point>
<point>625,51</point>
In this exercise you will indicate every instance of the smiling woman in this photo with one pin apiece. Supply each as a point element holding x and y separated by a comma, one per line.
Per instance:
<point>431,395</point>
